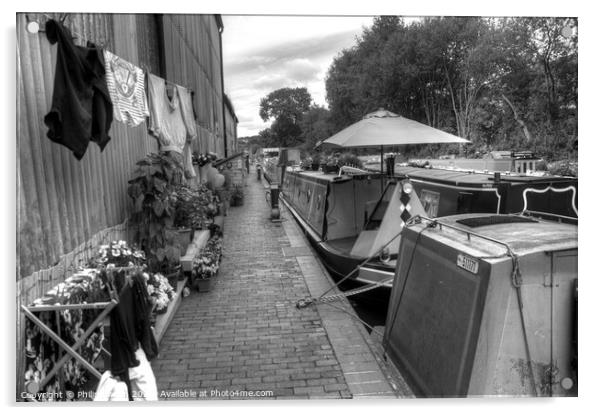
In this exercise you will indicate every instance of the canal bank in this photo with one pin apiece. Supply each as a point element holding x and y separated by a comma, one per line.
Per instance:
<point>245,339</point>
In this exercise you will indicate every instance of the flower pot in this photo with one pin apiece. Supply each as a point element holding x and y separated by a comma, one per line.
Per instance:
<point>204,285</point>
<point>315,166</point>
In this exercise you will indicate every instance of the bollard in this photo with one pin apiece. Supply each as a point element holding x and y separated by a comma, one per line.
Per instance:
<point>274,193</point>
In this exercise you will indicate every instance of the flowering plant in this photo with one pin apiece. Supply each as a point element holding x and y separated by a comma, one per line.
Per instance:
<point>206,264</point>
<point>160,290</point>
<point>202,159</point>
<point>195,207</point>
<point>119,254</point>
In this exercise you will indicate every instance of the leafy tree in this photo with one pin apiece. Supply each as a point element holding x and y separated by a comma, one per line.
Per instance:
<point>504,83</point>
<point>315,126</point>
<point>286,107</point>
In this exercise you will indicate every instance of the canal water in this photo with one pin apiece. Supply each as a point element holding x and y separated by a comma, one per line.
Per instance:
<point>370,306</point>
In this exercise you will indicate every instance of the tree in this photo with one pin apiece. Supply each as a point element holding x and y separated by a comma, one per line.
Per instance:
<point>286,107</point>
<point>315,126</point>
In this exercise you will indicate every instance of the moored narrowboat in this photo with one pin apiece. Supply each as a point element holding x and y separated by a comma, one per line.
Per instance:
<point>448,192</point>
<point>485,304</point>
<point>352,222</point>
<point>332,210</point>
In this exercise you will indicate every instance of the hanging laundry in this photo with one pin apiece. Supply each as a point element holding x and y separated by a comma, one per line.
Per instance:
<point>131,328</point>
<point>126,88</point>
<point>81,106</point>
<point>110,389</point>
<point>142,379</point>
<point>166,118</point>
<point>189,120</point>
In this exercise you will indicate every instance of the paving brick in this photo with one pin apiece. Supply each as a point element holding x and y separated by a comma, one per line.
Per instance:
<point>246,334</point>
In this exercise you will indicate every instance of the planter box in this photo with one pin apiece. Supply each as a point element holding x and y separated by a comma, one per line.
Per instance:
<point>204,286</point>
<point>198,242</point>
<point>219,221</point>
<point>163,320</point>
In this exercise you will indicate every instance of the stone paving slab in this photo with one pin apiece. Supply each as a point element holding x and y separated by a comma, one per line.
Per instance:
<point>245,339</point>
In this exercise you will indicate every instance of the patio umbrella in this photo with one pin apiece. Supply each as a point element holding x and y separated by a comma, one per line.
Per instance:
<point>383,129</point>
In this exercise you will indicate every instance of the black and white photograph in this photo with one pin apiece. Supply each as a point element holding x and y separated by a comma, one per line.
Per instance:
<point>352,207</point>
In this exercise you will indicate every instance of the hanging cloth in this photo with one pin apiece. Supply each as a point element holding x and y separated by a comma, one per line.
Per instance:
<point>189,121</point>
<point>142,379</point>
<point>81,108</point>
<point>126,88</point>
<point>110,389</point>
<point>166,119</point>
<point>131,328</point>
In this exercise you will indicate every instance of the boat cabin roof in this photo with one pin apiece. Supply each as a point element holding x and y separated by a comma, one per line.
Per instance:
<point>464,178</point>
<point>333,177</point>
<point>522,234</point>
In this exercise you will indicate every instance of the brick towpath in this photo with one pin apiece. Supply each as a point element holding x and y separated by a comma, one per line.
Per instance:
<point>246,334</point>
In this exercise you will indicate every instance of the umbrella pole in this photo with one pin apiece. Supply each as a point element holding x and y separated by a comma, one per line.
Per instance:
<point>381,168</point>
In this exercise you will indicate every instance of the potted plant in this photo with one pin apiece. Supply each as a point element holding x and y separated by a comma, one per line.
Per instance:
<point>237,197</point>
<point>206,264</point>
<point>185,206</point>
<point>160,291</point>
<point>153,192</point>
<point>167,262</point>
<point>119,254</point>
<point>331,165</point>
<point>306,163</point>
<point>317,161</point>
<point>350,159</point>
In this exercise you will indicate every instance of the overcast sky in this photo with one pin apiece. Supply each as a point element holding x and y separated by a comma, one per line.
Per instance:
<point>265,53</point>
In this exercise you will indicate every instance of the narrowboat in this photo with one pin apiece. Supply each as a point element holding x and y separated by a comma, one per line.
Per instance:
<point>332,209</point>
<point>485,304</point>
<point>351,221</point>
<point>448,192</point>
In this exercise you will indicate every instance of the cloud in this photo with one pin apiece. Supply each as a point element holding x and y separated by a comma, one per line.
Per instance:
<point>309,49</point>
<point>263,54</point>
<point>301,69</point>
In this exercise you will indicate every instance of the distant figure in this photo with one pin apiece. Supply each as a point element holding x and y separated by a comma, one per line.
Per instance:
<point>247,163</point>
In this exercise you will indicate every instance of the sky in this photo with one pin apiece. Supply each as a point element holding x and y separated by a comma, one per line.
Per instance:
<point>266,53</point>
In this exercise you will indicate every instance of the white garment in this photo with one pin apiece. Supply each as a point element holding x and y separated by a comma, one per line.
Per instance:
<point>125,83</point>
<point>166,118</point>
<point>142,379</point>
<point>110,389</point>
<point>188,116</point>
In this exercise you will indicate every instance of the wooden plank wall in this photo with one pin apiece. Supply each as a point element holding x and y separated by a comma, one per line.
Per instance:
<point>192,59</point>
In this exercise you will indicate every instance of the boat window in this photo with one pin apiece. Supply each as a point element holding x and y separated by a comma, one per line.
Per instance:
<point>376,216</point>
